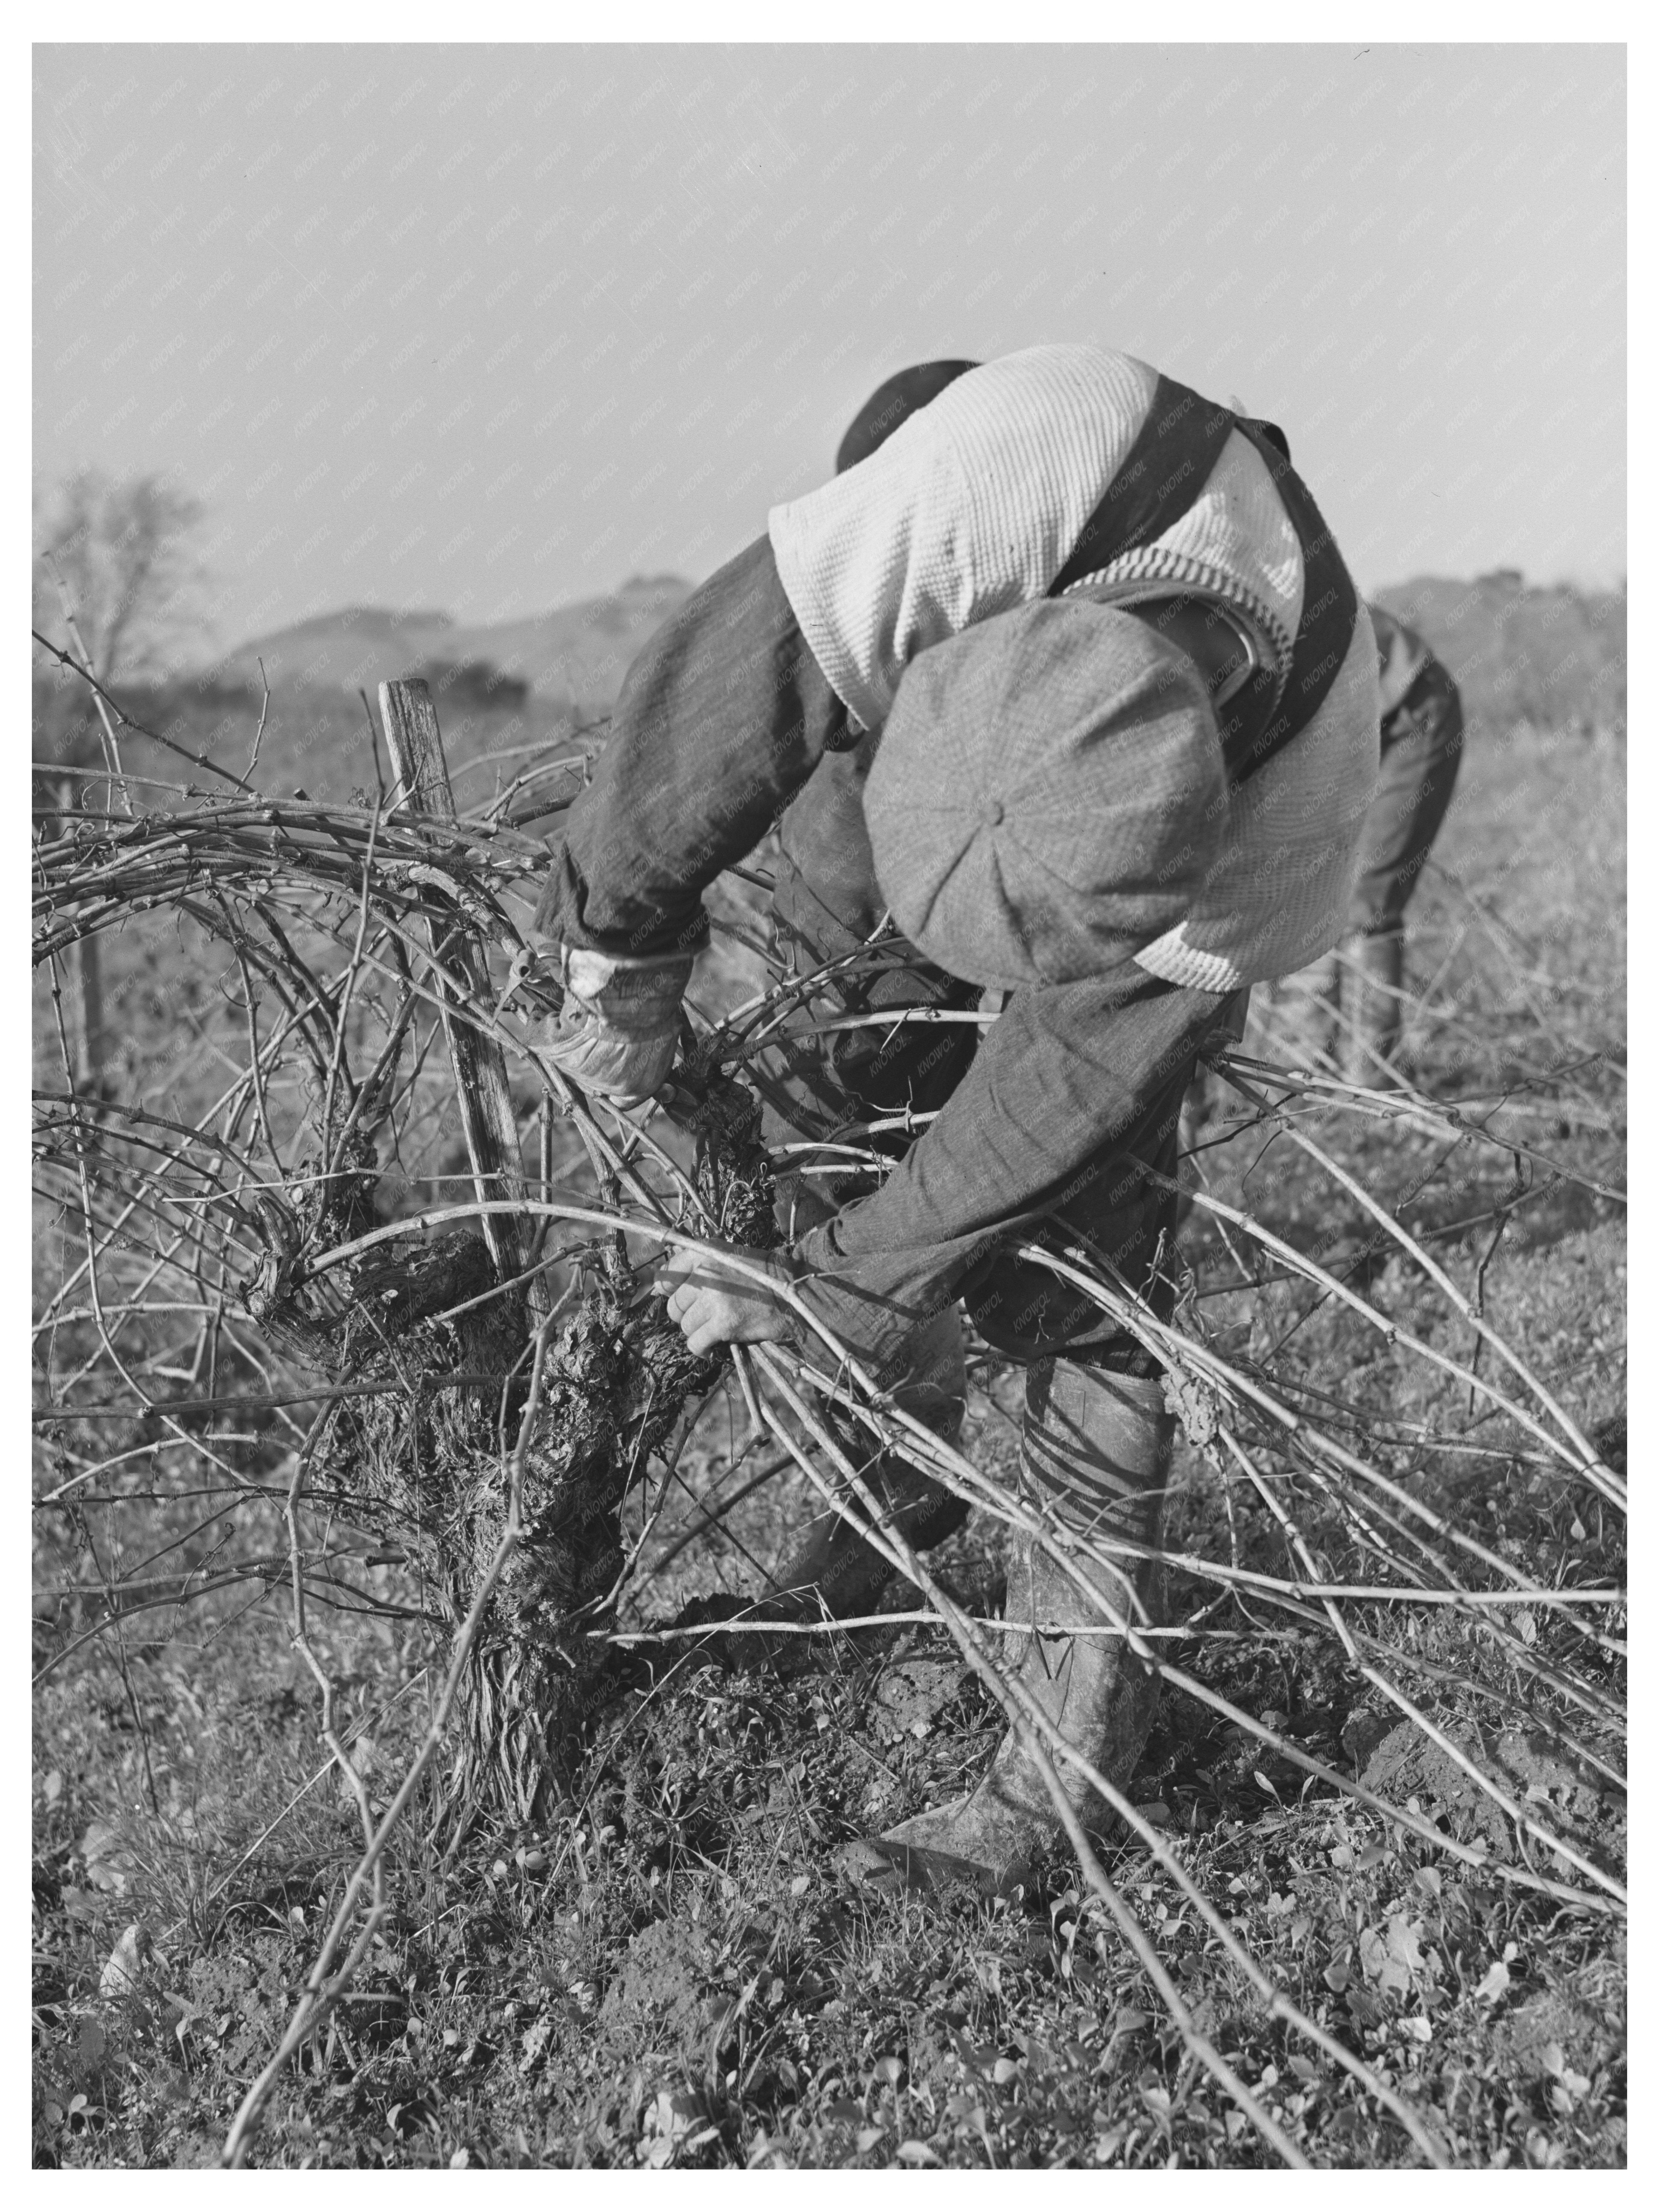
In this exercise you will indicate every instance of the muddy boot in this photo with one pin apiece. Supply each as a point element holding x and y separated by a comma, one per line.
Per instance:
<point>1096,1452</point>
<point>830,1571</point>
<point>1372,1003</point>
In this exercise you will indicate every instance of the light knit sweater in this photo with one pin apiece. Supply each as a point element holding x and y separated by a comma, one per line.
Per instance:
<point>973,507</point>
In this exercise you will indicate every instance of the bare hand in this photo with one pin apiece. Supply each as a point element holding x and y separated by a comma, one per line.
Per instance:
<point>714,1306</point>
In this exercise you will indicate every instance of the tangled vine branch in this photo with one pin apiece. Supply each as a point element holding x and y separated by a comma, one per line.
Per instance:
<point>295,1224</point>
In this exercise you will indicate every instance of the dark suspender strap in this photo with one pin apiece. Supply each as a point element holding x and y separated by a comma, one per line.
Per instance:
<point>1252,729</point>
<point>1161,474</point>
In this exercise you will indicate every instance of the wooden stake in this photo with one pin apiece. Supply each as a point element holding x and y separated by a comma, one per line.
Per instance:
<point>86,996</point>
<point>487,1120</point>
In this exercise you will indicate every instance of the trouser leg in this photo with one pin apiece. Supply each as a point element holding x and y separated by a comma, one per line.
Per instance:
<point>1422,747</point>
<point>829,1569</point>
<point>1372,1003</point>
<point>812,1093</point>
<point>1094,1470</point>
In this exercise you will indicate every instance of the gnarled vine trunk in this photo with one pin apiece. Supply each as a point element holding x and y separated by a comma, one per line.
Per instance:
<point>433,1454</point>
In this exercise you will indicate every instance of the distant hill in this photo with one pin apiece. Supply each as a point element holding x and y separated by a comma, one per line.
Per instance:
<point>1544,653</point>
<point>506,693</point>
<point>574,656</point>
<point>1549,654</point>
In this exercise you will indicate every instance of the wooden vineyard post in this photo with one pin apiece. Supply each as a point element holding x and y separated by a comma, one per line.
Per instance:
<point>486,1102</point>
<point>85,997</point>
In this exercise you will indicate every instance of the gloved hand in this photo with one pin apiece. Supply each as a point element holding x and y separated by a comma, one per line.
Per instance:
<point>617,1032</point>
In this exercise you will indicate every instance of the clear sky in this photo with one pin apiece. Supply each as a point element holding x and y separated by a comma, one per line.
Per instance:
<point>490,329</point>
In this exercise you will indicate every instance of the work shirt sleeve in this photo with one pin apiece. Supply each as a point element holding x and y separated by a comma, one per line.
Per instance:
<point>1401,657</point>
<point>1063,1079</point>
<point>720,720</point>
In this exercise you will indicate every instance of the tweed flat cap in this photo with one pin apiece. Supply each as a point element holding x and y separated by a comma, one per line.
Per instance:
<point>1046,795</point>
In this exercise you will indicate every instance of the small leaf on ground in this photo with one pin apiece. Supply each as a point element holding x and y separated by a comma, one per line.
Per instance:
<point>123,1969</point>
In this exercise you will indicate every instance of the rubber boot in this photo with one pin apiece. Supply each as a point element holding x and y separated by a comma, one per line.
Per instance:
<point>832,1572</point>
<point>1374,966</point>
<point>1097,1455</point>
